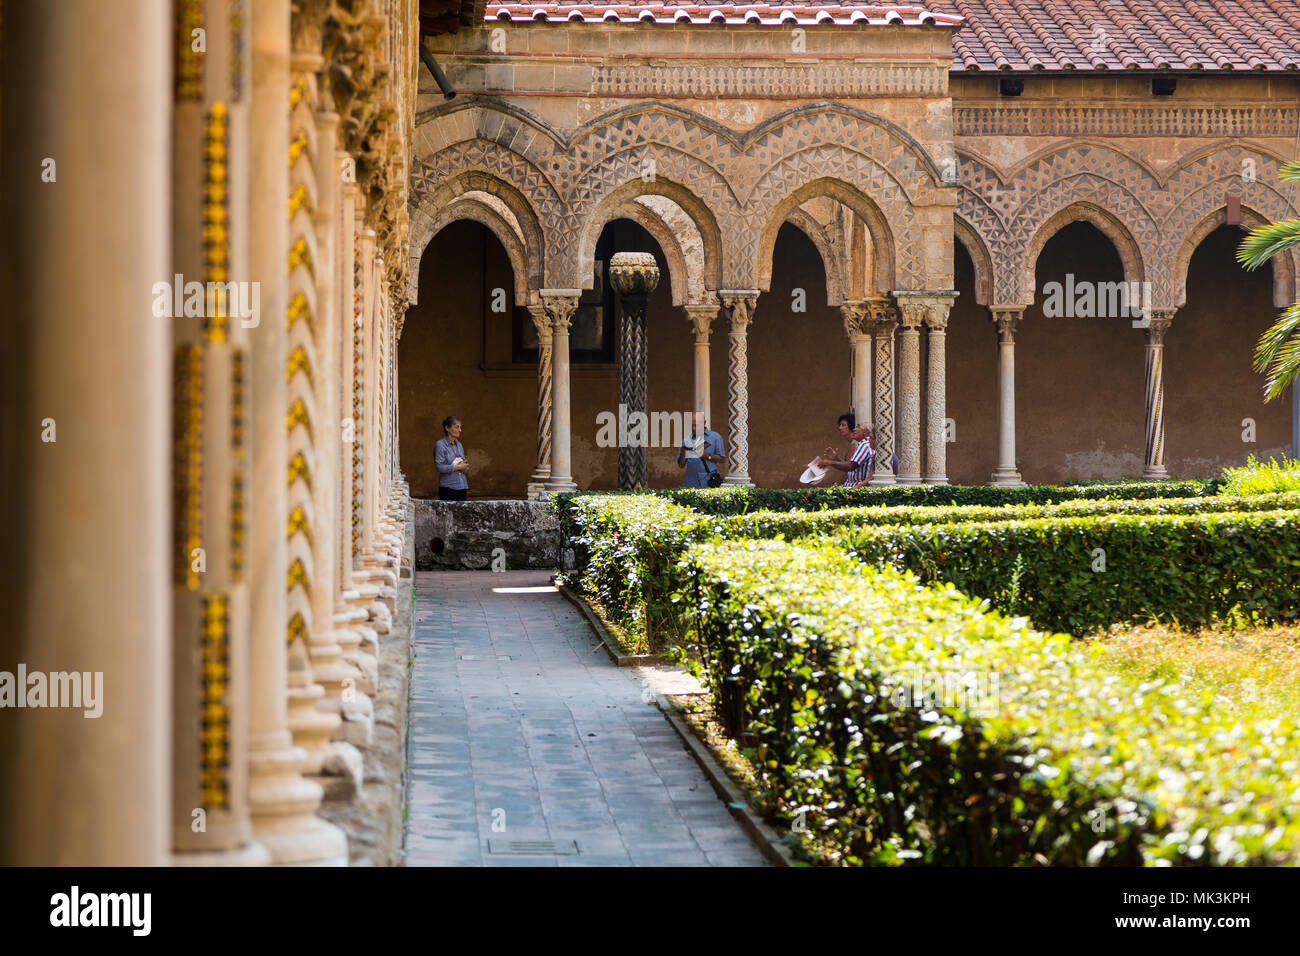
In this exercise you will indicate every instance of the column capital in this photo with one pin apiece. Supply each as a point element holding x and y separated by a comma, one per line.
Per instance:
<point>854,314</point>
<point>881,312</point>
<point>739,304</point>
<point>1006,322</point>
<point>929,307</point>
<point>1157,325</point>
<point>560,304</point>
<point>542,323</point>
<point>701,317</point>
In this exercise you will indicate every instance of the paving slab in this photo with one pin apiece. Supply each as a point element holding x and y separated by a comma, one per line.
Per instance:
<point>554,743</point>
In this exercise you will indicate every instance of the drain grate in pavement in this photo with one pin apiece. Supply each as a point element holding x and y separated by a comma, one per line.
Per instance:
<point>533,847</point>
<point>486,657</point>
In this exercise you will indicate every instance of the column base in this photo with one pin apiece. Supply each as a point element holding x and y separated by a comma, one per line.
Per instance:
<point>1006,478</point>
<point>910,480</point>
<point>251,853</point>
<point>534,490</point>
<point>887,480</point>
<point>1155,473</point>
<point>560,484</point>
<point>741,480</point>
<point>936,480</point>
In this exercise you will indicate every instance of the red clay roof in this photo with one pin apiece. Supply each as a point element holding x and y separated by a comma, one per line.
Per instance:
<point>771,13</point>
<point>1007,35</point>
<point>1014,35</point>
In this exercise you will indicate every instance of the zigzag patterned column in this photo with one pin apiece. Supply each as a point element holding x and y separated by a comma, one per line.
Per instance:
<point>634,276</point>
<point>543,469</point>
<point>739,305</point>
<point>1155,394</point>
<point>884,319</point>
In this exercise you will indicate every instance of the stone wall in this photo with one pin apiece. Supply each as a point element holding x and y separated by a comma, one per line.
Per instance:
<point>473,534</point>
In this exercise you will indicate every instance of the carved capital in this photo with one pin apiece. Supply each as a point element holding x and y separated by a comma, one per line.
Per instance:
<point>633,273</point>
<point>560,304</point>
<point>855,319</point>
<point>881,313</point>
<point>542,323</point>
<point>1157,326</point>
<point>739,304</point>
<point>1006,321</point>
<point>701,318</point>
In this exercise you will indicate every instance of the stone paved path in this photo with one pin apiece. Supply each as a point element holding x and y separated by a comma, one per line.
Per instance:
<point>553,743</point>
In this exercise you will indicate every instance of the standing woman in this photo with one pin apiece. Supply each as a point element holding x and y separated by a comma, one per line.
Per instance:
<point>449,457</point>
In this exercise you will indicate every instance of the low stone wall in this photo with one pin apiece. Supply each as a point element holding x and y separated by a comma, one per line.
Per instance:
<point>473,534</point>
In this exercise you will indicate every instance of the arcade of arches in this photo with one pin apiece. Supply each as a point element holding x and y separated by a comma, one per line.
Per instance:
<point>211,507</point>
<point>864,229</point>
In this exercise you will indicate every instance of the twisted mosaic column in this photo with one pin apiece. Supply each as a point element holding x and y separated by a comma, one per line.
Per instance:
<point>542,470</point>
<point>1155,394</point>
<point>1006,472</point>
<point>884,319</point>
<point>560,304</point>
<point>634,275</point>
<point>740,312</point>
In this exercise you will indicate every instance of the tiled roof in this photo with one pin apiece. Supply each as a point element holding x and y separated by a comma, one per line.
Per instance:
<point>1015,35</point>
<point>773,13</point>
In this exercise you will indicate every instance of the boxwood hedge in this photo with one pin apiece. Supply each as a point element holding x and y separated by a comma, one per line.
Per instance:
<point>1081,573</point>
<point>1067,763</point>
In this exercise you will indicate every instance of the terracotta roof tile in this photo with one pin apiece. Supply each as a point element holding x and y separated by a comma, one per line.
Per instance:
<point>1006,35</point>
<point>1016,35</point>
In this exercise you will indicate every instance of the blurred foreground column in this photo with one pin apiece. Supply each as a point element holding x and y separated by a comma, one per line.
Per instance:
<point>85,430</point>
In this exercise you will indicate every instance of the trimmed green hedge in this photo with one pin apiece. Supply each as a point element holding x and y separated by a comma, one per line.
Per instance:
<point>1189,569</point>
<point>819,660</point>
<point>735,500</point>
<point>791,524</point>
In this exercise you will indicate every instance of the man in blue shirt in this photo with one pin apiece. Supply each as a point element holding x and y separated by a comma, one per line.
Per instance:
<point>700,453</point>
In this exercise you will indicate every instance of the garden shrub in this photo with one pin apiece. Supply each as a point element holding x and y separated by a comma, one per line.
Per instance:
<point>1257,478</point>
<point>1185,569</point>
<point>1067,764</point>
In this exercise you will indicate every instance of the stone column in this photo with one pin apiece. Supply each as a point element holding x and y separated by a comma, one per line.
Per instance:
<point>936,399</point>
<point>883,316</point>
<point>634,276</point>
<point>282,257</point>
<point>909,397</point>
<point>701,318</point>
<point>1155,394</point>
<point>856,328</point>
<point>86,387</point>
<point>560,304</point>
<point>1006,473</point>
<point>212,405</point>
<point>739,305</point>
<point>543,469</point>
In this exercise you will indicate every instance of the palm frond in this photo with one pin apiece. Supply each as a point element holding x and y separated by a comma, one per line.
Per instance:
<point>1266,241</point>
<point>1291,173</point>
<point>1278,353</point>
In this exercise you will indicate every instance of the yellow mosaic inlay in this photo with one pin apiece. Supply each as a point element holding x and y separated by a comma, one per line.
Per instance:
<point>214,719</point>
<point>187,471</point>
<point>216,220</point>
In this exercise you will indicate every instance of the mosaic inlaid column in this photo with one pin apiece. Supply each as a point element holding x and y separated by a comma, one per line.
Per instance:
<point>212,410</point>
<point>560,304</point>
<point>883,316</point>
<point>701,318</point>
<point>739,306</point>
<point>634,276</point>
<point>1006,473</point>
<point>856,328</point>
<point>936,392</point>
<point>909,390</point>
<point>542,470</point>
<point>85,384</point>
<point>1155,394</point>
<point>282,261</point>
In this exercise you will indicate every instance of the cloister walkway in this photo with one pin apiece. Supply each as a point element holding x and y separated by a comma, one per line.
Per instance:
<point>528,747</point>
